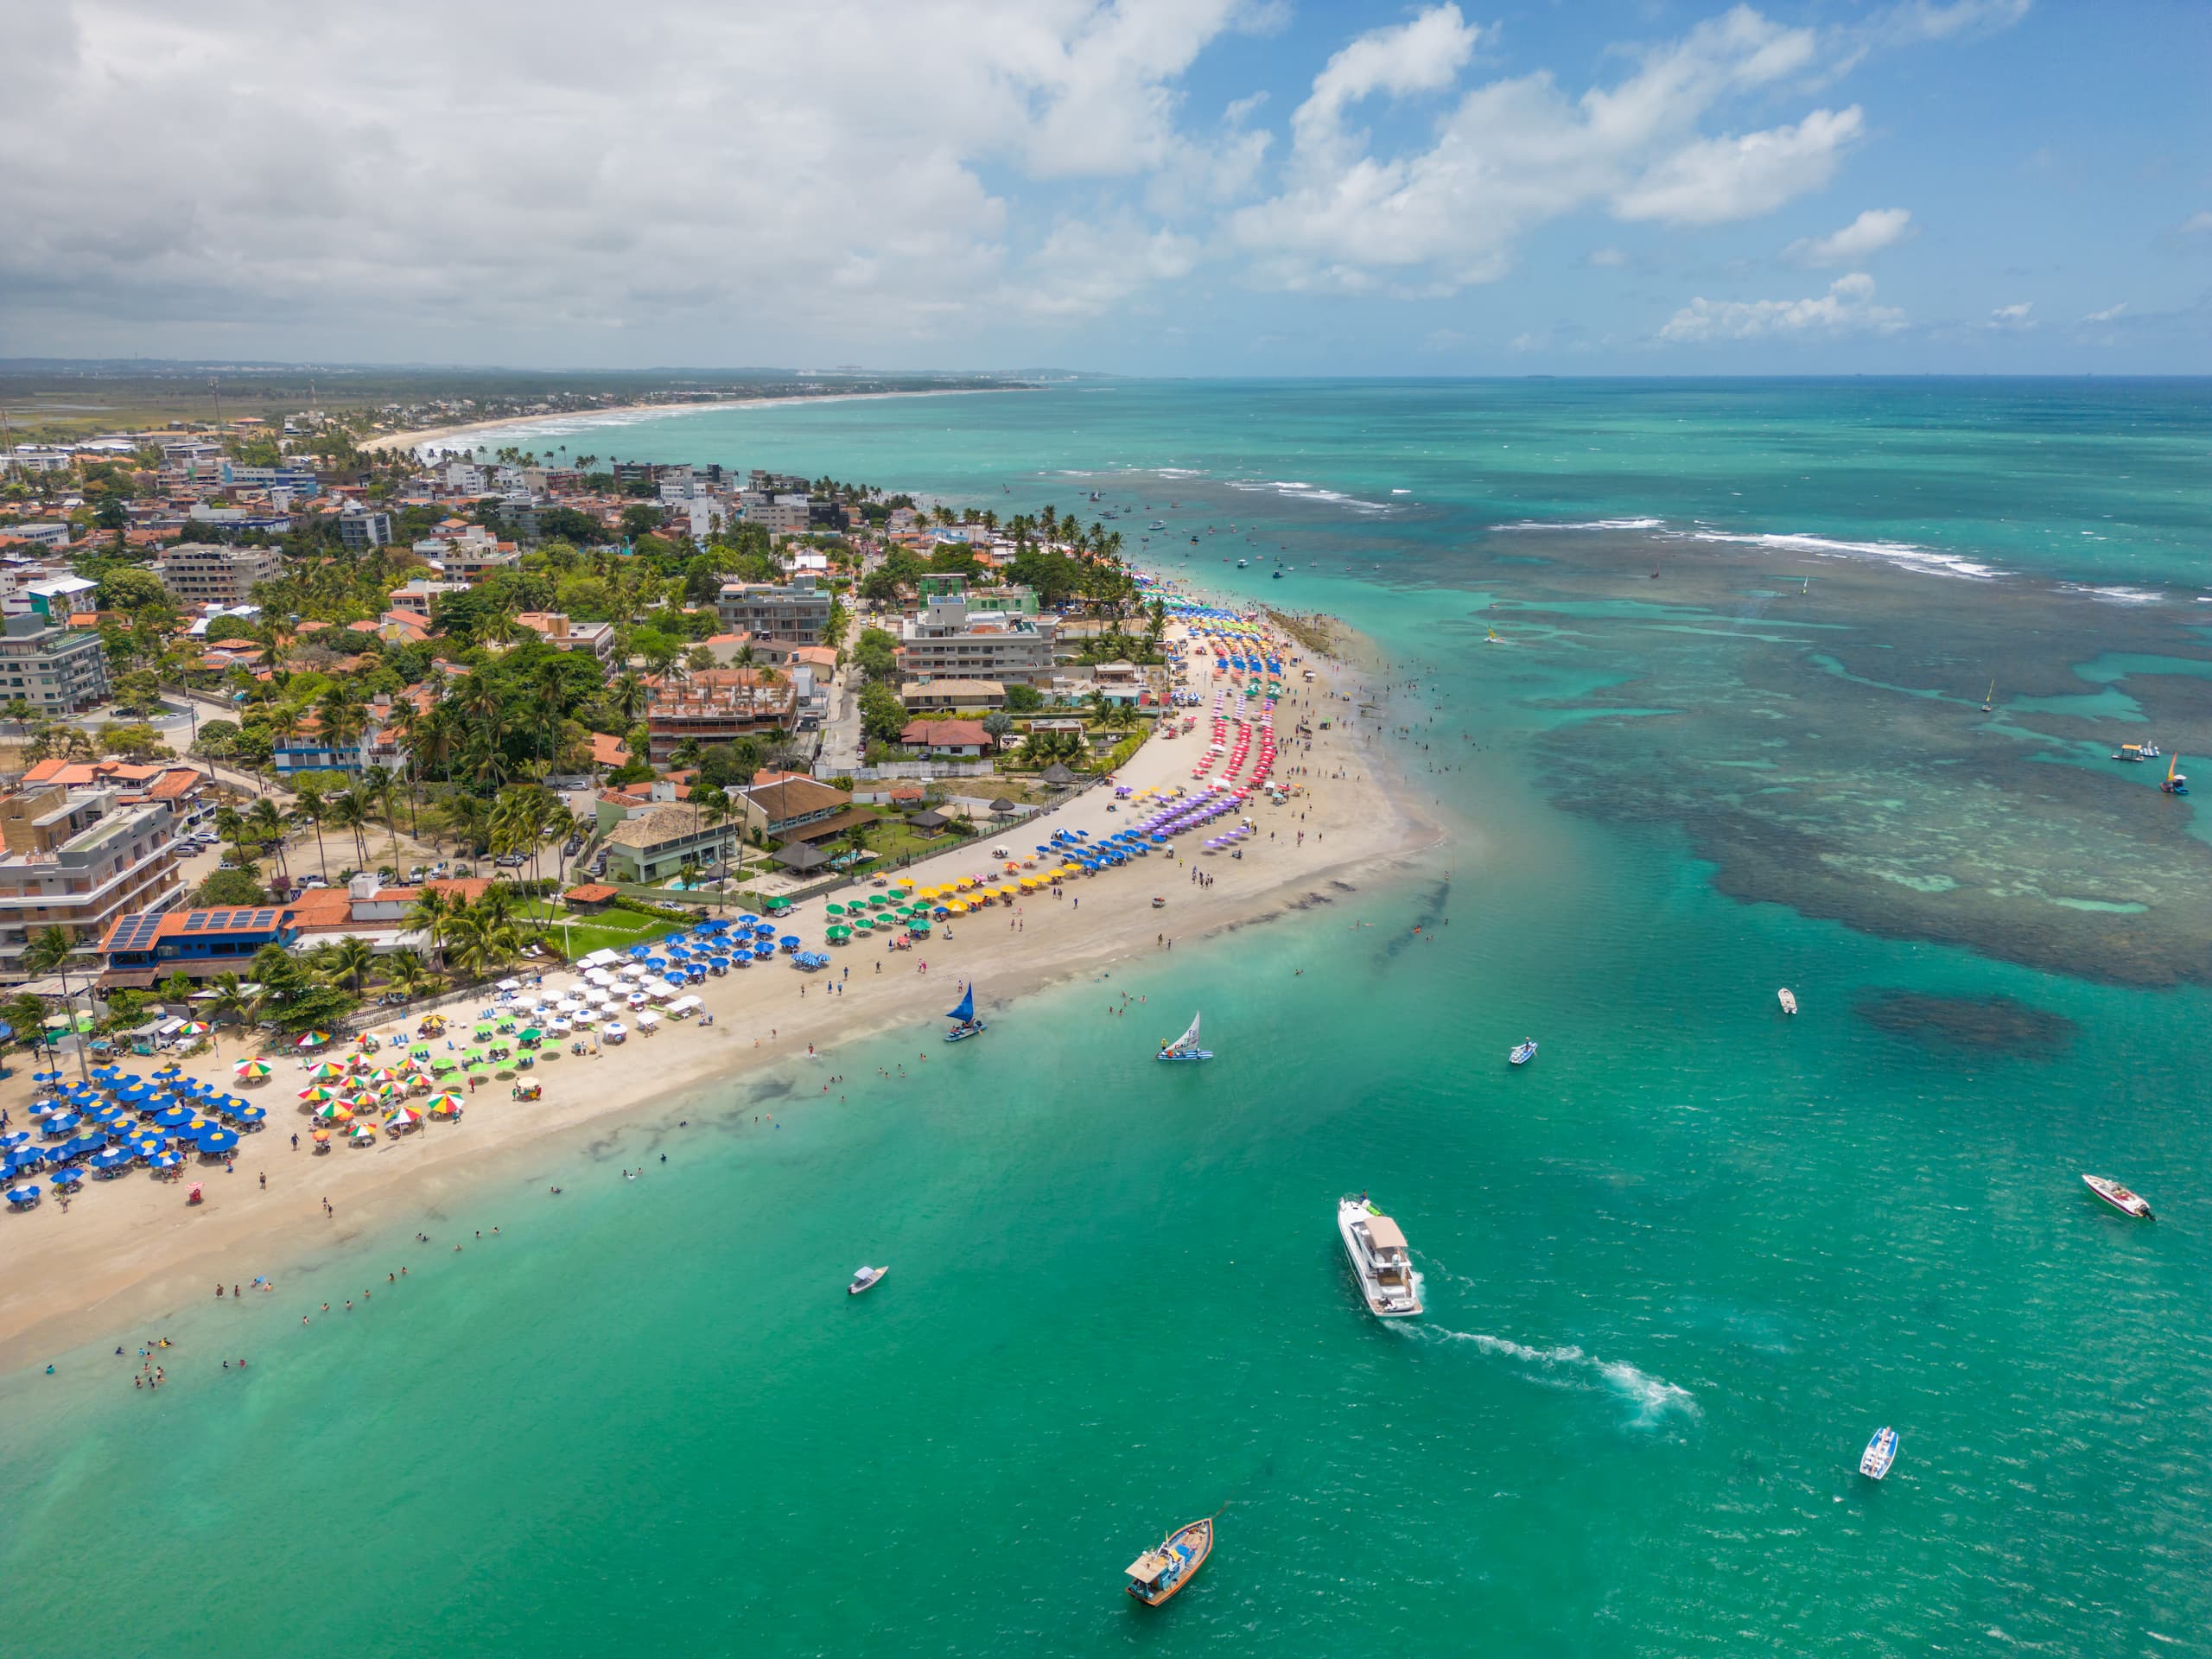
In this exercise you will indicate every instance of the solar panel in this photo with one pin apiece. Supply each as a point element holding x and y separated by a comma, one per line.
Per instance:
<point>265,919</point>
<point>218,919</point>
<point>194,922</point>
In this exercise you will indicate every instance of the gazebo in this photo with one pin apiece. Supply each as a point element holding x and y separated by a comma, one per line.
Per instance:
<point>1057,776</point>
<point>801,857</point>
<point>930,823</point>
<point>1003,808</point>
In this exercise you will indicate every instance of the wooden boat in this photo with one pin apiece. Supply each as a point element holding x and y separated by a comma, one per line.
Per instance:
<point>867,1279</point>
<point>1157,1574</point>
<point>2128,1203</point>
<point>1186,1047</point>
<point>964,1022</point>
<point>1788,998</point>
<point>1881,1451</point>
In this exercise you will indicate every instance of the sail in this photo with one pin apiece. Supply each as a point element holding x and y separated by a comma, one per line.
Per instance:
<point>966,1011</point>
<point>2171,765</point>
<point>1189,1039</point>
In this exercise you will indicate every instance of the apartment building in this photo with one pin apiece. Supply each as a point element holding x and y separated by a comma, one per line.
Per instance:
<point>57,671</point>
<point>359,531</point>
<point>563,632</point>
<point>718,705</point>
<point>797,610</point>
<point>76,859</point>
<point>947,639</point>
<point>205,573</point>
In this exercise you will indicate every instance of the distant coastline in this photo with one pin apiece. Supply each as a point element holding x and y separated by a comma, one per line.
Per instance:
<point>626,414</point>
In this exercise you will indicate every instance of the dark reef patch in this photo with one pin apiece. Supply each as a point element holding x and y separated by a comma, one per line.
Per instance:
<point>1986,1024</point>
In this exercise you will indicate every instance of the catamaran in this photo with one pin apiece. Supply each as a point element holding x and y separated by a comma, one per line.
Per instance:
<point>1376,1250</point>
<point>1159,1573</point>
<point>1186,1047</point>
<point>2128,1203</point>
<point>964,1022</point>
<point>1881,1451</point>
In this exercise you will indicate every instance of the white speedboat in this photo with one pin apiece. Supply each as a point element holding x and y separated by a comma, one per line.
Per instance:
<point>1376,1250</point>
<point>867,1279</point>
<point>1788,998</point>
<point>1881,1451</point>
<point>2128,1203</point>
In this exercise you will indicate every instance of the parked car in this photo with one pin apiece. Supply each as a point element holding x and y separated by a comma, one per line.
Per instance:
<point>510,860</point>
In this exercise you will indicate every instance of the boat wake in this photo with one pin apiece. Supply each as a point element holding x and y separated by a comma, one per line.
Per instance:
<point>1653,1398</point>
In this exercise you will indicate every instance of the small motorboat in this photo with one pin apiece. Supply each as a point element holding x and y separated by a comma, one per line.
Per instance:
<point>1881,1451</point>
<point>2128,1203</point>
<point>1523,1053</point>
<point>867,1279</point>
<point>1788,998</point>
<point>1157,1574</point>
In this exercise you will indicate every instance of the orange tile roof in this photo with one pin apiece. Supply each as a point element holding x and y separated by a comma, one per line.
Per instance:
<point>591,894</point>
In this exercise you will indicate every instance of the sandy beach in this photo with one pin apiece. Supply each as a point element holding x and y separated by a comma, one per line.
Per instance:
<point>128,1249</point>
<point>625,414</point>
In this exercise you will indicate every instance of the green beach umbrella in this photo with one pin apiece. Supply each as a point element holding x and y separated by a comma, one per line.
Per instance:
<point>529,1034</point>
<point>835,909</point>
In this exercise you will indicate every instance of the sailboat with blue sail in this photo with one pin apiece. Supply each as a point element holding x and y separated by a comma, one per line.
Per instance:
<point>964,1022</point>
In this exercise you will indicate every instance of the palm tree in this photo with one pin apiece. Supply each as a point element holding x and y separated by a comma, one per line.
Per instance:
<point>309,803</point>
<point>48,952</point>
<point>231,825</point>
<point>349,810</point>
<point>409,974</point>
<point>430,916</point>
<point>232,999</point>
<point>349,958</point>
<point>378,784</point>
<point>266,824</point>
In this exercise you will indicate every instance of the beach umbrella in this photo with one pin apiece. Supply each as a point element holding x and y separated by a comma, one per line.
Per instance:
<point>250,1070</point>
<point>196,1028</point>
<point>218,1140</point>
<point>336,1111</point>
<point>323,1070</point>
<point>313,1040</point>
<point>402,1117</point>
<point>174,1117</point>
<point>529,1034</point>
<point>363,1134</point>
<point>250,1115</point>
<point>45,1077</point>
<point>318,1093</point>
<point>833,910</point>
<point>322,1136</point>
<point>445,1103</point>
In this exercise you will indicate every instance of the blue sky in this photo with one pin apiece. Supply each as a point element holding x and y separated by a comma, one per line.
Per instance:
<point>1205,187</point>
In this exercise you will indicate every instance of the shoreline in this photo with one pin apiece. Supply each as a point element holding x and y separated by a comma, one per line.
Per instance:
<point>621,413</point>
<point>132,1249</point>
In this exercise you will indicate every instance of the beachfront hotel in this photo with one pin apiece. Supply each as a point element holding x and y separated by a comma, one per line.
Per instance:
<point>80,854</point>
<point>947,639</point>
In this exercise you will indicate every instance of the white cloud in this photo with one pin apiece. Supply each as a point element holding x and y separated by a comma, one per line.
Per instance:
<point>1715,181</point>
<point>1608,258</point>
<point>845,173</point>
<point>1941,20</point>
<point>1847,308</point>
<point>2012,318</point>
<point>2197,224</point>
<point>1514,154</point>
<point>1872,231</point>
<point>2110,314</point>
<point>1081,270</point>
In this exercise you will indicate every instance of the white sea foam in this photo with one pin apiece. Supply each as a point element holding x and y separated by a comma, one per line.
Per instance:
<point>2117,596</point>
<point>1654,1397</point>
<point>1297,490</point>
<point>1908,554</point>
<point>1592,524</point>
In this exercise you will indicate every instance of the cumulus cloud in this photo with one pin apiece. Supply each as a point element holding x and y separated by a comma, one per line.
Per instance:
<point>2012,318</point>
<point>1847,308</point>
<point>2110,314</point>
<point>431,180</point>
<point>1868,234</point>
<point>1516,153</point>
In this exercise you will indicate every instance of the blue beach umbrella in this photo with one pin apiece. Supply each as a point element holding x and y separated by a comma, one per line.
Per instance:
<point>218,1140</point>
<point>165,1160</point>
<point>174,1117</point>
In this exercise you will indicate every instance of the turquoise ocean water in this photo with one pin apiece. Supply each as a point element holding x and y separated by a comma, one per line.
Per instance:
<point>1677,1270</point>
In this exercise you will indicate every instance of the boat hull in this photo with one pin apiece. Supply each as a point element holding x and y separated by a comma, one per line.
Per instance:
<point>2131,1205</point>
<point>1200,1535</point>
<point>961,1034</point>
<point>1881,1451</point>
<point>1194,1055</point>
<point>858,1289</point>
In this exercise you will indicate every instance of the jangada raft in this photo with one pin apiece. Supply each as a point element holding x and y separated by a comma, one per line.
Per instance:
<point>1157,1574</point>
<point>1523,1053</point>
<point>964,1022</point>
<point>2128,1203</point>
<point>1881,1451</point>
<point>1186,1047</point>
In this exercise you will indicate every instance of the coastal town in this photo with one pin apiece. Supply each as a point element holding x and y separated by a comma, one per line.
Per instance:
<point>352,794</point>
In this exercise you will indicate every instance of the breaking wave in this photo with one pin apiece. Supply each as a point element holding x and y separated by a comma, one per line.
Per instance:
<point>1590,523</point>
<point>1653,1397</point>
<point>1297,490</point>
<point>1909,556</point>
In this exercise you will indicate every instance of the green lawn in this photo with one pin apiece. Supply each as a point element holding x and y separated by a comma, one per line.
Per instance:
<point>616,930</point>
